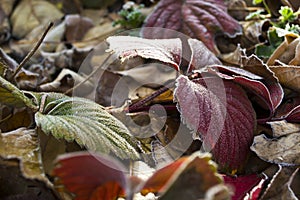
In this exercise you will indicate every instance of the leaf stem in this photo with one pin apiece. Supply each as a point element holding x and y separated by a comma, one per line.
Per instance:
<point>32,51</point>
<point>138,105</point>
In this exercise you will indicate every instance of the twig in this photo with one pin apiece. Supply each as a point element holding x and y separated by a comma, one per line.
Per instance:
<point>88,77</point>
<point>35,48</point>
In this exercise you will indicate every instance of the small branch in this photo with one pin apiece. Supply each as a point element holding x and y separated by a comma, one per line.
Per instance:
<point>89,76</point>
<point>35,48</point>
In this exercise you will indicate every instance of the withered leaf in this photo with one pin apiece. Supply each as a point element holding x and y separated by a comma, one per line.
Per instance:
<point>283,150</point>
<point>22,144</point>
<point>280,185</point>
<point>282,128</point>
<point>209,106</point>
<point>289,76</point>
<point>30,13</point>
<point>165,50</point>
<point>197,19</point>
<point>76,27</point>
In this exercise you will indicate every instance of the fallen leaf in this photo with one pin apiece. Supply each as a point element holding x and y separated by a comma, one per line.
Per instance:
<point>289,76</point>
<point>280,185</point>
<point>282,128</point>
<point>30,13</point>
<point>283,150</point>
<point>17,118</point>
<point>86,122</point>
<point>76,27</point>
<point>209,106</point>
<point>105,176</point>
<point>200,56</point>
<point>165,50</point>
<point>187,178</point>
<point>66,80</point>
<point>243,184</point>
<point>22,144</point>
<point>198,19</point>
<point>10,95</point>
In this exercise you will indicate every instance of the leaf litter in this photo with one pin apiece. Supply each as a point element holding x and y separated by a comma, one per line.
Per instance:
<point>240,105</point>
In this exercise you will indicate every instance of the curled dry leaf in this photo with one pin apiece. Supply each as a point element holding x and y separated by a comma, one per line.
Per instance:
<point>165,50</point>
<point>282,128</point>
<point>30,13</point>
<point>289,76</point>
<point>22,144</point>
<point>198,19</point>
<point>280,186</point>
<point>283,150</point>
<point>65,81</point>
<point>209,106</point>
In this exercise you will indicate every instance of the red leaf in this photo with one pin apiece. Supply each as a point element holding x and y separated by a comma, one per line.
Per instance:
<point>294,115</point>
<point>222,115</point>
<point>88,175</point>
<point>198,19</point>
<point>187,178</point>
<point>269,91</point>
<point>165,50</point>
<point>244,184</point>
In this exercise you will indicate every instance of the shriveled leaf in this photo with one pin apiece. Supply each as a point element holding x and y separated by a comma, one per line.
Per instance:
<point>210,106</point>
<point>243,184</point>
<point>31,13</point>
<point>282,128</point>
<point>283,150</point>
<point>198,19</point>
<point>19,118</point>
<point>200,55</point>
<point>22,144</point>
<point>289,76</point>
<point>86,122</point>
<point>10,95</point>
<point>187,178</point>
<point>280,185</point>
<point>165,50</point>
<point>100,176</point>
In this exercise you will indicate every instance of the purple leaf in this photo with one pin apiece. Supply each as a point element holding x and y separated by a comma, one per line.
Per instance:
<point>222,115</point>
<point>197,19</point>
<point>200,55</point>
<point>165,50</point>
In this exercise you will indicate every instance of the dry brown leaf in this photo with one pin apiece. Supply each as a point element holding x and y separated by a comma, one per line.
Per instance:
<point>22,144</point>
<point>31,13</point>
<point>282,128</point>
<point>283,150</point>
<point>289,76</point>
<point>279,187</point>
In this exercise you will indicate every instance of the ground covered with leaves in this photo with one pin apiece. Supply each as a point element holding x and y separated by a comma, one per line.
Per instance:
<point>165,99</point>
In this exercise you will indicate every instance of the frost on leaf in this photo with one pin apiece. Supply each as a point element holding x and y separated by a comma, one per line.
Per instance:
<point>164,50</point>
<point>221,114</point>
<point>197,19</point>
<point>86,122</point>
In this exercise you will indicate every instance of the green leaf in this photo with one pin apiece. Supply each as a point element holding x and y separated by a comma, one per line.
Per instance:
<point>22,144</point>
<point>255,2</point>
<point>10,95</point>
<point>88,123</point>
